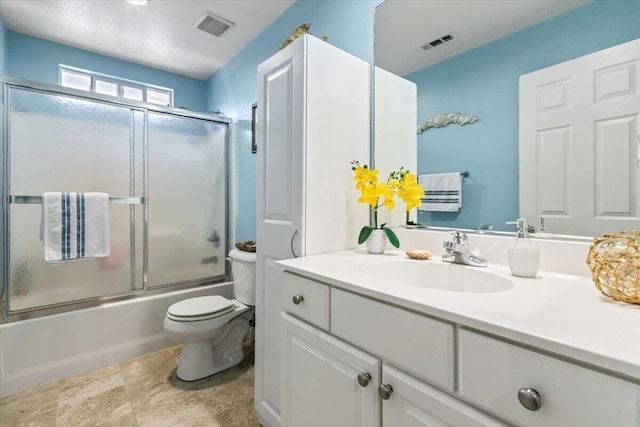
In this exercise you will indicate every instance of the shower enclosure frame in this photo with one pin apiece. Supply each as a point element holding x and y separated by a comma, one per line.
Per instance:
<point>7,199</point>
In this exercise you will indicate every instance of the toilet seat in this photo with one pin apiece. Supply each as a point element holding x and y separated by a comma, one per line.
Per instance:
<point>200,308</point>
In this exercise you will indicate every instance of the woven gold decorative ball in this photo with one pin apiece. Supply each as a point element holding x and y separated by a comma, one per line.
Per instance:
<point>614,260</point>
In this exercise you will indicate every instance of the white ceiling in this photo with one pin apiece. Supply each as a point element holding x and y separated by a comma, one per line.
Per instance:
<point>159,34</point>
<point>403,26</point>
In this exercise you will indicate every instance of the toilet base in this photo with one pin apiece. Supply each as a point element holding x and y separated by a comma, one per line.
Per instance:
<point>200,359</point>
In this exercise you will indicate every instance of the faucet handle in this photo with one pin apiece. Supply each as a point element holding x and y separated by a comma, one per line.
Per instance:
<point>459,237</point>
<point>543,223</point>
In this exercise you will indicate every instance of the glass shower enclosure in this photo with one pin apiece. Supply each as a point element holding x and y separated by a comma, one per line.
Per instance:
<point>165,171</point>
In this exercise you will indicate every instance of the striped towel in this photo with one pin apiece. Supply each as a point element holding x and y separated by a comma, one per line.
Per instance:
<point>442,192</point>
<point>75,226</point>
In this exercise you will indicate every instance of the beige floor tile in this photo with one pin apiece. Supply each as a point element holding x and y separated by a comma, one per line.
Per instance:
<point>41,419</point>
<point>128,420</point>
<point>231,402</point>
<point>175,351</point>
<point>84,386</point>
<point>237,417</point>
<point>95,409</point>
<point>184,410</point>
<point>140,392</point>
<point>152,389</point>
<point>37,407</point>
<point>160,363</point>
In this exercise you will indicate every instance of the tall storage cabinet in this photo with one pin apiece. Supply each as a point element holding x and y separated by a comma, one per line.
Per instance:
<point>313,120</point>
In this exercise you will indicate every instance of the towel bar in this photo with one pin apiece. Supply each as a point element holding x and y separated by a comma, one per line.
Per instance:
<point>116,200</point>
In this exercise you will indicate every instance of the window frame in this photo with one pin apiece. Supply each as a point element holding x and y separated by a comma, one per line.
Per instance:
<point>121,83</point>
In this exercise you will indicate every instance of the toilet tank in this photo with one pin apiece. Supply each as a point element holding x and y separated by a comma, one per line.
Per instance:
<point>243,268</point>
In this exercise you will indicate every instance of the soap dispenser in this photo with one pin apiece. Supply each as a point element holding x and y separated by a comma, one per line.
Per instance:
<point>523,257</point>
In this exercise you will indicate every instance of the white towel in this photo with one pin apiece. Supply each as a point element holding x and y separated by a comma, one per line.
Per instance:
<point>75,226</point>
<point>442,192</point>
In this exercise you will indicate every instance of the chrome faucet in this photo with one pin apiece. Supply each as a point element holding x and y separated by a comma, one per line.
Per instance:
<point>458,251</point>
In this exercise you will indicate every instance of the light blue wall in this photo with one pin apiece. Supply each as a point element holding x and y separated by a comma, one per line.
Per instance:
<point>233,88</point>
<point>4,42</point>
<point>484,82</point>
<point>37,59</point>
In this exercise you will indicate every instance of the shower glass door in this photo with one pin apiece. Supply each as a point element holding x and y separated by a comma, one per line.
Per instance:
<point>187,199</point>
<point>68,144</point>
<point>165,172</point>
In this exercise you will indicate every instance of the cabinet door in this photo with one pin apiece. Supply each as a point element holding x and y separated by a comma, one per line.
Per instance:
<point>280,140</point>
<point>320,380</point>
<point>413,403</point>
<point>278,216</point>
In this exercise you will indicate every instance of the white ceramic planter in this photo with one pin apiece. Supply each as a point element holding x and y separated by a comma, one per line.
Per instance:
<point>377,242</point>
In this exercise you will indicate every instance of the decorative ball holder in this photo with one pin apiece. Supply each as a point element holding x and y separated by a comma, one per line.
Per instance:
<point>614,260</point>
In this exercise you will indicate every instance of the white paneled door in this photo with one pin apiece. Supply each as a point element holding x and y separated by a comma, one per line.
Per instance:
<point>320,380</point>
<point>279,205</point>
<point>579,138</point>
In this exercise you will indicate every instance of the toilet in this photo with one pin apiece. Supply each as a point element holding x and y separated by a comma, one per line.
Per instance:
<point>212,328</point>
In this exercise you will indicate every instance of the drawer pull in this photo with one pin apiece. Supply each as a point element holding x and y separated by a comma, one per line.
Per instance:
<point>530,398</point>
<point>364,378</point>
<point>385,390</point>
<point>297,299</point>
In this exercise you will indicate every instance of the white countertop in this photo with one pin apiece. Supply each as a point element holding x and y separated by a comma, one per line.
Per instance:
<point>559,313</point>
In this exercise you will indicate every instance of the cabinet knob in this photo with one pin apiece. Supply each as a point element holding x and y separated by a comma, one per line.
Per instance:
<point>530,398</point>
<point>297,299</point>
<point>364,378</point>
<point>385,390</point>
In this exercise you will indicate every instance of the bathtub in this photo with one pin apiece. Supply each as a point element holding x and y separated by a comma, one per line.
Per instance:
<point>47,349</point>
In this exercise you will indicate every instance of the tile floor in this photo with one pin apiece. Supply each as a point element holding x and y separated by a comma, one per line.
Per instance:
<point>139,392</point>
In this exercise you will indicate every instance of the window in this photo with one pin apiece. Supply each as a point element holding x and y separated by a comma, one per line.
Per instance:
<point>107,85</point>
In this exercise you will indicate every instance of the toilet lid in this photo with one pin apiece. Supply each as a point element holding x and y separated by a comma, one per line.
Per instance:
<point>211,306</point>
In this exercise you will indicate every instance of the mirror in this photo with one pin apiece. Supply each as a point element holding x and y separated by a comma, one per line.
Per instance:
<point>467,57</point>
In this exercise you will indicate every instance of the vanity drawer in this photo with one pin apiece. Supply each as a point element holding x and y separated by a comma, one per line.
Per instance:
<point>414,343</point>
<point>492,372</point>
<point>306,299</point>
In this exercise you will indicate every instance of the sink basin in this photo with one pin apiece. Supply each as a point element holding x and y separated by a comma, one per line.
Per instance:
<point>436,276</point>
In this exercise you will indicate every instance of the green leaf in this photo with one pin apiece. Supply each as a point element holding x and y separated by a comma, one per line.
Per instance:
<point>365,233</point>
<point>393,239</point>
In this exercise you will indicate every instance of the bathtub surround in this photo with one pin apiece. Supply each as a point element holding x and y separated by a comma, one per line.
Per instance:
<point>62,345</point>
<point>139,392</point>
<point>161,212</point>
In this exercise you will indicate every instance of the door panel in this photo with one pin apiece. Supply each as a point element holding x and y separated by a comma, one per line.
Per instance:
<point>187,199</point>
<point>416,404</point>
<point>579,137</point>
<point>320,386</point>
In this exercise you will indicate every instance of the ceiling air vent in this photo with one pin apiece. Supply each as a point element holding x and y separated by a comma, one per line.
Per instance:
<point>213,24</point>
<point>437,42</point>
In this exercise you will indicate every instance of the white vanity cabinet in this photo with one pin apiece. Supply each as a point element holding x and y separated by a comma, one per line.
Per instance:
<point>414,403</point>
<point>426,371</point>
<point>327,381</point>
<point>313,119</point>
<point>492,373</point>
